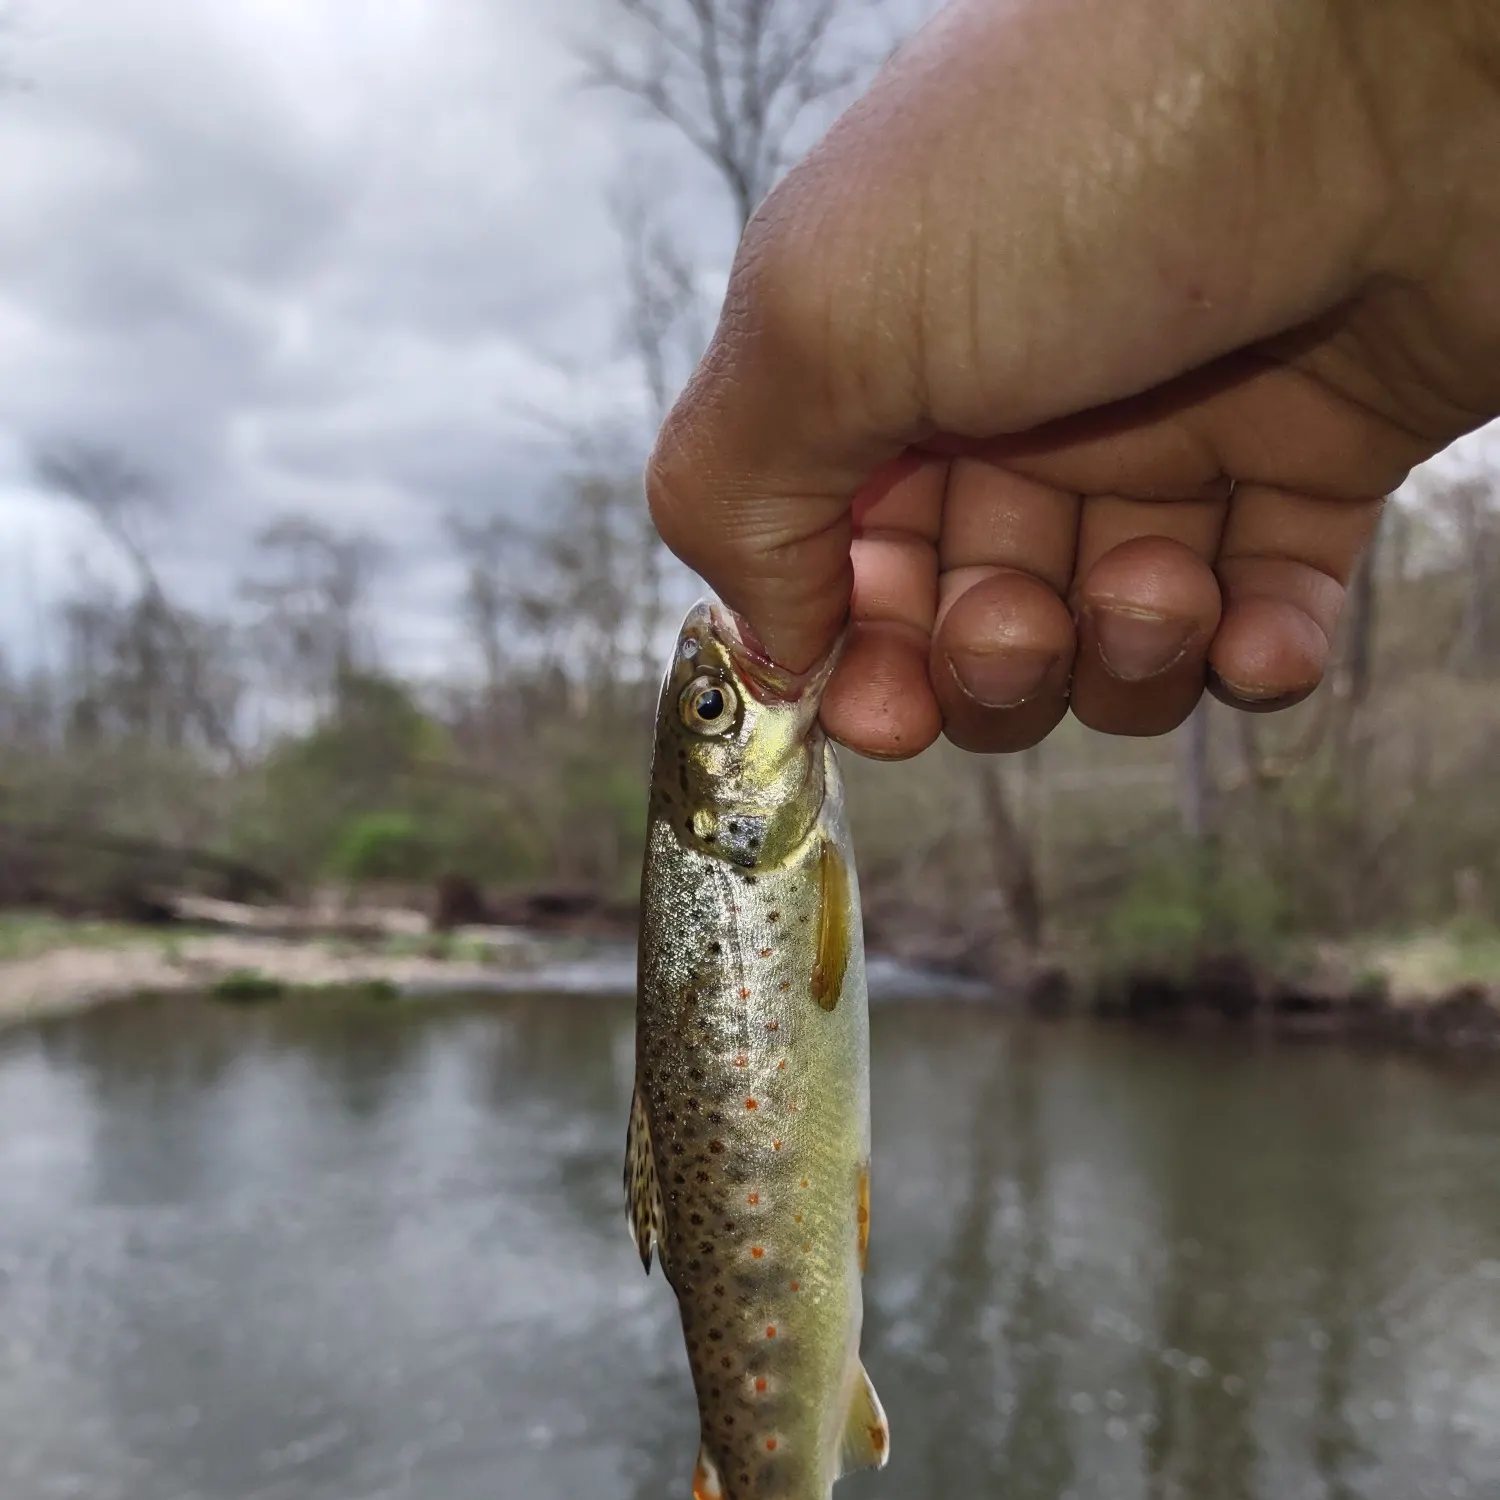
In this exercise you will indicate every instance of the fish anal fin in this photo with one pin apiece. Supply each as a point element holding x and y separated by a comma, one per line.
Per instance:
<point>706,1483</point>
<point>833,927</point>
<point>867,1434</point>
<point>643,1201</point>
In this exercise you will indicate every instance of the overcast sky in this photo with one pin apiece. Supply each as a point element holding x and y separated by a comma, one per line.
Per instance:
<point>287,259</point>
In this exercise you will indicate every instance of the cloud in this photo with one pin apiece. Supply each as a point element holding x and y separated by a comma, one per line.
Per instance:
<point>286,259</point>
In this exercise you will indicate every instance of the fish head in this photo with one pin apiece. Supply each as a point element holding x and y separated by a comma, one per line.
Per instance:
<point>740,762</point>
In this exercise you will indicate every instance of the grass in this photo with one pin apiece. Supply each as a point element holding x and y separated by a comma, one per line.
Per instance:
<point>1430,963</point>
<point>247,987</point>
<point>30,934</point>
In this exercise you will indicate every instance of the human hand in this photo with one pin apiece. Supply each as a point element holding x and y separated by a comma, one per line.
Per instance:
<point>1081,353</point>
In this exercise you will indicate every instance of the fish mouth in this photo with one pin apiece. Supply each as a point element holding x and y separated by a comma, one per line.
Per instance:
<point>767,681</point>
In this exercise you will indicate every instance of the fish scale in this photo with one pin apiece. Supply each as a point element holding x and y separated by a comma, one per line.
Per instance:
<point>748,1152</point>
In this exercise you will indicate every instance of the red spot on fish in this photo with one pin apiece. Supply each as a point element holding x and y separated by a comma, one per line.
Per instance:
<point>796,1286</point>
<point>773,1025</point>
<point>770,1330</point>
<point>744,992</point>
<point>752,1103</point>
<point>757,1252</point>
<point>781,1066</point>
<point>776,1145</point>
<point>753,1199</point>
<point>877,1439</point>
<point>742,1061</point>
<point>804,1182</point>
<point>760,1384</point>
<point>796,1218</point>
<point>862,1216</point>
<point>765,952</point>
<point>770,1445</point>
<point>785,984</point>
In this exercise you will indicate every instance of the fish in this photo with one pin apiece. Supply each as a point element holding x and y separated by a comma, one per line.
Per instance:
<point>747,1169</point>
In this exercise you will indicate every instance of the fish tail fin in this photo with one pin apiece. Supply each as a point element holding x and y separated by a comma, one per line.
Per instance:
<point>643,1204</point>
<point>867,1434</point>
<point>706,1482</point>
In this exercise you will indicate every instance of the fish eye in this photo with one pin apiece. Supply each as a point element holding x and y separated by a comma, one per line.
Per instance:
<point>709,706</point>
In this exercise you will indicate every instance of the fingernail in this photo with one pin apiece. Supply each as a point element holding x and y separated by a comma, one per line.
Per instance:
<point>1135,646</point>
<point>1001,679</point>
<point>1256,700</point>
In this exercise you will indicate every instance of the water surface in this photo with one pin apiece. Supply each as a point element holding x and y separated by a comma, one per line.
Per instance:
<point>360,1253</point>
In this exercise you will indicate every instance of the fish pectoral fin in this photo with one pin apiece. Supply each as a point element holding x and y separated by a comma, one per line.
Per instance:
<point>706,1482</point>
<point>643,1202</point>
<point>867,1434</point>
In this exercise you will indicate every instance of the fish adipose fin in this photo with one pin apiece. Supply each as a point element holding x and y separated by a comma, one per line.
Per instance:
<point>867,1435</point>
<point>643,1205</point>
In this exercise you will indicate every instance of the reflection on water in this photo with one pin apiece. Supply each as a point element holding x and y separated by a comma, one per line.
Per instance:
<point>304,1254</point>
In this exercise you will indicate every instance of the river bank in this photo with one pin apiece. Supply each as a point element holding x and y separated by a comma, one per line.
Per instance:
<point>1437,989</point>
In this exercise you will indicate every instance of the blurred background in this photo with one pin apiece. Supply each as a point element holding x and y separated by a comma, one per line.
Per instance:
<point>332,340</point>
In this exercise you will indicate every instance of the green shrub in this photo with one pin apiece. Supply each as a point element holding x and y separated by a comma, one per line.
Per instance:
<point>384,846</point>
<point>247,987</point>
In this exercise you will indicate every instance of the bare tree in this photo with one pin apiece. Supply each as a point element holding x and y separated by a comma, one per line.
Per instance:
<point>311,596</point>
<point>1468,508</point>
<point>734,78</point>
<point>491,552</point>
<point>161,678</point>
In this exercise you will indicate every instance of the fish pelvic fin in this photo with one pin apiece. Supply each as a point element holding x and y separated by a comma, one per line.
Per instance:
<point>643,1201</point>
<point>706,1482</point>
<point>867,1434</point>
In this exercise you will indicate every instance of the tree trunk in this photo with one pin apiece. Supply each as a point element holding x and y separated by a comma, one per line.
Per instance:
<point>1014,860</point>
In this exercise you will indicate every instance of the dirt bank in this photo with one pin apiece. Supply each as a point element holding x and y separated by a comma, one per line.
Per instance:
<point>70,976</point>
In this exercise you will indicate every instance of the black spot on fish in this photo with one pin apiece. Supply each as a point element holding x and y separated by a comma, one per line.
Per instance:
<point>696,1219</point>
<point>716,1147</point>
<point>716,1334</point>
<point>716,947</point>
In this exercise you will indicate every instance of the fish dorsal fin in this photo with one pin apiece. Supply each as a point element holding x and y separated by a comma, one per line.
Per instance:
<point>643,1205</point>
<point>867,1434</point>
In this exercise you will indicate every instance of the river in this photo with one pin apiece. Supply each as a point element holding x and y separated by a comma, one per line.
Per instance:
<point>362,1251</point>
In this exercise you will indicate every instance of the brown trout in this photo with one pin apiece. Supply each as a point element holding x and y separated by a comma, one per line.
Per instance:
<point>747,1160</point>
